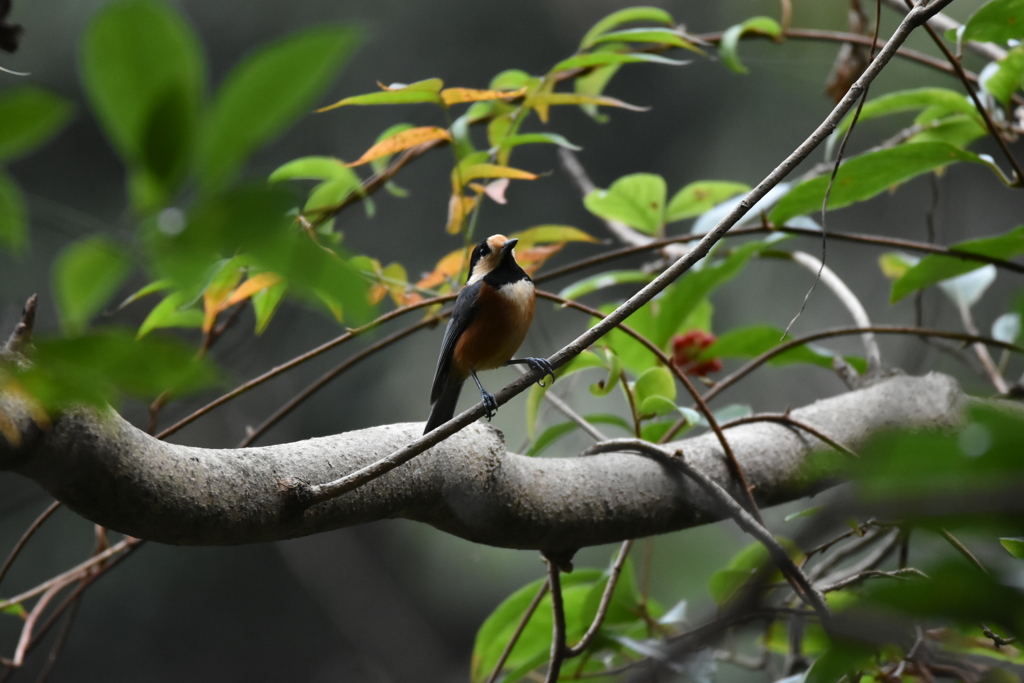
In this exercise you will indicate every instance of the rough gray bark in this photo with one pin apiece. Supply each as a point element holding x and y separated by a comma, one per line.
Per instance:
<point>469,485</point>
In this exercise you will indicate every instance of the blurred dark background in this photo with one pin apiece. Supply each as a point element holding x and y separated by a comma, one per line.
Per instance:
<point>395,601</point>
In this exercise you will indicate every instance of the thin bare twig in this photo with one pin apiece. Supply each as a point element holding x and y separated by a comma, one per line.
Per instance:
<point>734,464</point>
<point>606,601</point>
<point>530,609</point>
<point>32,529</point>
<point>982,351</point>
<point>303,493</point>
<point>324,379</point>
<point>1018,175</point>
<point>557,622</point>
<point>871,574</point>
<point>300,359</point>
<point>962,549</point>
<point>782,418</point>
<point>785,563</point>
<point>846,297</point>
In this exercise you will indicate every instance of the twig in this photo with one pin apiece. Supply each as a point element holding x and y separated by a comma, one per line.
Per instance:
<point>981,351</point>
<point>871,574</point>
<point>126,544</point>
<point>304,493</point>
<point>962,549</point>
<point>782,418</point>
<point>734,464</point>
<point>1018,174</point>
<point>324,379</point>
<point>847,298</point>
<point>530,609</point>
<point>32,529</point>
<point>743,518</point>
<point>300,359</point>
<point>65,630</point>
<point>30,621</point>
<point>606,600</point>
<point>557,622</point>
<point>869,538</point>
<point>567,410</point>
<point>582,181</point>
<point>870,561</point>
<point>944,23</point>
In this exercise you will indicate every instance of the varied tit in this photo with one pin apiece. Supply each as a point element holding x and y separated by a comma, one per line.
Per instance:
<point>491,316</point>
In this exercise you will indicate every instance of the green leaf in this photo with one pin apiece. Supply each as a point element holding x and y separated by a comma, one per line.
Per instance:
<point>265,303</point>
<point>958,130</point>
<point>593,84</point>
<point>1014,546</point>
<point>255,221</point>
<point>15,610</point>
<point>638,200</point>
<point>660,36</point>
<point>587,359</point>
<point>268,92</point>
<point>681,298</point>
<point>146,290</point>
<point>403,96</point>
<point>85,276</point>
<point>894,264</point>
<point>1007,79</point>
<point>698,197</point>
<point>728,48</point>
<point>102,366</point>
<point>612,278</point>
<point>934,268</point>
<point>997,21</point>
<point>603,59</point>
<point>608,384</point>
<point>312,168</point>
<point>867,175</point>
<point>534,138</point>
<point>841,659</point>
<point>748,342</point>
<point>144,74</point>
<point>31,116</point>
<point>532,647</point>
<point>938,102</point>
<point>175,310</point>
<point>657,381</point>
<point>552,434</point>
<point>13,215</point>
<point>724,583</point>
<point>624,16</point>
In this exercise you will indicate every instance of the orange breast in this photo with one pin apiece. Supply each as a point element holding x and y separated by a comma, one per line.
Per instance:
<point>502,320</point>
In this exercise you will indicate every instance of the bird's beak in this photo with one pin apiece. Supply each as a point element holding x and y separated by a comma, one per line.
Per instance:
<point>509,245</point>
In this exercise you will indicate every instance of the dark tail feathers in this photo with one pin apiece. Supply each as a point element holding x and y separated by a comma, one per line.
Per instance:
<point>444,408</point>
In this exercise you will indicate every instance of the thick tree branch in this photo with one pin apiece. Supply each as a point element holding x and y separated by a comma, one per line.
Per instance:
<point>118,476</point>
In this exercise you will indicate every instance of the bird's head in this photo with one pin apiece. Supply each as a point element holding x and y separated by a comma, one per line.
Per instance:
<point>489,255</point>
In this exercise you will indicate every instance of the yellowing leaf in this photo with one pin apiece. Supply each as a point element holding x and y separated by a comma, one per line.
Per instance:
<point>450,265</point>
<point>458,208</point>
<point>215,296</point>
<point>256,283</point>
<point>452,96</point>
<point>533,258</point>
<point>548,234</point>
<point>542,100</point>
<point>401,141</point>
<point>494,171</point>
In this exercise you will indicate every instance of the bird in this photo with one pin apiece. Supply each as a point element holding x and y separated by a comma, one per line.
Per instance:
<point>488,323</point>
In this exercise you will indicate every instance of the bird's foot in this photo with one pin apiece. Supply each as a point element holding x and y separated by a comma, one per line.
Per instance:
<point>544,366</point>
<point>490,404</point>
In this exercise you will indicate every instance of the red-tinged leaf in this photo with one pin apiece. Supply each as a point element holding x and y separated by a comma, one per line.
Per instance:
<point>401,141</point>
<point>542,100</point>
<point>452,96</point>
<point>256,283</point>
<point>496,190</point>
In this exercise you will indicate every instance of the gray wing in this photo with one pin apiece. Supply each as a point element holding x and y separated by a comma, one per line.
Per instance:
<point>462,316</point>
